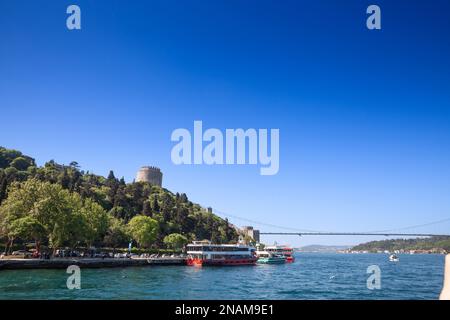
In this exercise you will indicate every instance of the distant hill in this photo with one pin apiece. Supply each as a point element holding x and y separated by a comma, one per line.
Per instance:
<point>322,248</point>
<point>427,244</point>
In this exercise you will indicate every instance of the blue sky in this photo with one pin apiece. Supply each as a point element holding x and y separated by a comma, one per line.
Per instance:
<point>364,116</point>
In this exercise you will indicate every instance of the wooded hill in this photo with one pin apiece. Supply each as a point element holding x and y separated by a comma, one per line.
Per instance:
<point>432,243</point>
<point>62,205</point>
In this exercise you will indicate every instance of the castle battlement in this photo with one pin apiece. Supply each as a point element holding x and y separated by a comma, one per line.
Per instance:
<point>151,168</point>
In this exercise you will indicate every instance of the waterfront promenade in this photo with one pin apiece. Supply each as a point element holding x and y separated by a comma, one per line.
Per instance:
<point>63,263</point>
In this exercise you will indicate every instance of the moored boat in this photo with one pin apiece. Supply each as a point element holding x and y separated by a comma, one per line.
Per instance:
<point>202,253</point>
<point>266,257</point>
<point>286,251</point>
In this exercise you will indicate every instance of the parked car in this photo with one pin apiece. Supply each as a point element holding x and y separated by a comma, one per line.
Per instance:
<point>24,253</point>
<point>19,252</point>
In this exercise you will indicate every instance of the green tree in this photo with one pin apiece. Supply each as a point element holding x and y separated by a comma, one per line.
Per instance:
<point>167,207</point>
<point>111,176</point>
<point>147,209</point>
<point>64,179</point>
<point>57,210</point>
<point>74,165</point>
<point>175,241</point>
<point>155,205</point>
<point>3,185</point>
<point>144,230</point>
<point>96,221</point>
<point>21,163</point>
<point>18,205</point>
<point>7,156</point>
<point>117,234</point>
<point>28,228</point>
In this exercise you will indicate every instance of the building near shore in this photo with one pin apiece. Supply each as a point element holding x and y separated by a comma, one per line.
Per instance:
<point>252,233</point>
<point>149,174</point>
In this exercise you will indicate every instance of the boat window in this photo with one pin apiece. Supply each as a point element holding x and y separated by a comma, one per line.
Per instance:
<point>219,248</point>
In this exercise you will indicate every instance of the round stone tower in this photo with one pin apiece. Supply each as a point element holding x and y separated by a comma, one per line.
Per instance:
<point>152,175</point>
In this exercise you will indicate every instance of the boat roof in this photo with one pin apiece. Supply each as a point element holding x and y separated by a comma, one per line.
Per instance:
<point>278,247</point>
<point>200,243</point>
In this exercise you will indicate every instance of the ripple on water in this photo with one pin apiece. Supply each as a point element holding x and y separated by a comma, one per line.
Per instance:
<point>312,276</point>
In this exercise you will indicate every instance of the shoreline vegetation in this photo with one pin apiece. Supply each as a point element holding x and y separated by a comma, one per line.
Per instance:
<point>440,245</point>
<point>44,209</point>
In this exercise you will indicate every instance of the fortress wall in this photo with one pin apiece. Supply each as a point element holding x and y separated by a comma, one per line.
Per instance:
<point>152,175</point>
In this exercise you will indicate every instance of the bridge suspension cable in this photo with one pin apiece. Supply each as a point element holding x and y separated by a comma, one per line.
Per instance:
<point>261,223</point>
<point>415,226</point>
<point>304,232</point>
<point>354,234</point>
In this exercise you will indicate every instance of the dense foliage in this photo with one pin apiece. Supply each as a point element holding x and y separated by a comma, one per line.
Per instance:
<point>432,243</point>
<point>61,205</point>
<point>175,241</point>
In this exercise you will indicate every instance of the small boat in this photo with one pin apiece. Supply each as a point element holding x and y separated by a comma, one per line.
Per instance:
<point>285,251</point>
<point>393,258</point>
<point>266,257</point>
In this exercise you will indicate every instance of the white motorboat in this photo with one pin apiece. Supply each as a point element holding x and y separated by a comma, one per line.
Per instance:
<point>393,258</point>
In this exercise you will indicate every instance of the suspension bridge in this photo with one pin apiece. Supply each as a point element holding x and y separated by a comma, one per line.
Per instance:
<point>304,232</point>
<point>353,234</point>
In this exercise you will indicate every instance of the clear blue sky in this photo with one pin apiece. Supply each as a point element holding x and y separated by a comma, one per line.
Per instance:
<point>364,116</point>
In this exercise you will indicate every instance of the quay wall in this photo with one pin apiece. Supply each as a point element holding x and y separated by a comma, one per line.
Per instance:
<point>16,264</point>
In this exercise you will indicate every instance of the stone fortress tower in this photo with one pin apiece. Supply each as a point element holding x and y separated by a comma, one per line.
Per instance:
<point>152,175</point>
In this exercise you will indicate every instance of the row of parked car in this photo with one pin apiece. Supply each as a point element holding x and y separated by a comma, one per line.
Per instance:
<point>62,253</point>
<point>22,253</point>
<point>81,254</point>
<point>147,255</point>
<point>27,254</point>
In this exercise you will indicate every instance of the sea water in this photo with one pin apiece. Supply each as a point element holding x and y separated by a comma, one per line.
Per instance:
<point>312,276</point>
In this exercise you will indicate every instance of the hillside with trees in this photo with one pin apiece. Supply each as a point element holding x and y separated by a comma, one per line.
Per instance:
<point>61,205</point>
<point>432,244</point>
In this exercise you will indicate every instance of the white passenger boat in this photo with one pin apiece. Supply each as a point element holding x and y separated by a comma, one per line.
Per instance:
<point>201,253</point>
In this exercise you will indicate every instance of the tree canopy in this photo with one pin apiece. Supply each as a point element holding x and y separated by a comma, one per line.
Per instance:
<point>144,230</point>
<point>175,241</point>
<point>36,210</point>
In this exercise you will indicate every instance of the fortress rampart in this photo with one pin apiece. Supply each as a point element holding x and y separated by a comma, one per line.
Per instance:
<point>152,175</point>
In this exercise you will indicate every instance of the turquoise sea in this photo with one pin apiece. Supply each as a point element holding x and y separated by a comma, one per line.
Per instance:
<point>312,276</point>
